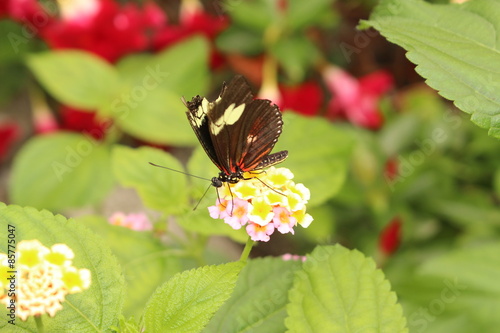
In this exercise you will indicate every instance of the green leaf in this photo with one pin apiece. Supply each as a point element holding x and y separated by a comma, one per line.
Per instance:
<point>342,291</point>
<point>185,67</point>
<point>465,285</point>
<point>301,14</point>
<point>259,299</point>
<point>159,189</point>
<point>239,40</point>
<point>160,118</point>
<point>445,42</point>
<point>255,15</point>
<point>296,55</point>
<point>14,45</point>
<point>399,134</point>
<point>496,182</point>
<point>134,66</point>
<point>187,301</point>
<point>127,325</point>
<point>200,165</point>
<point>94,309</point>
<point>465,213</point>
<point>77,78</point>
<point>318,154</point>
<point>477,268</point>
<point>61,170</point>
<point>145,268</point>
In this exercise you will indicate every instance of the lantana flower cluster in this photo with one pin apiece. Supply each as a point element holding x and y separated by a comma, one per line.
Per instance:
<point>262,203</point>
<point>42,279</point>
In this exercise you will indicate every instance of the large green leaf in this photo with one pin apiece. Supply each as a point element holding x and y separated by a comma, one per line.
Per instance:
<point>145,268</point>
<point>456,48</point>
<point>463,284</point>
<point>186,67</point>
<point>61,170</point>
<point>159,189</point>
<point>94,309</point>
<point>318,154</point>
<point>78,78</point>
<point>259,299</point>
<point>342,291</point>
<point>159,117</point>
<point>187,301</point>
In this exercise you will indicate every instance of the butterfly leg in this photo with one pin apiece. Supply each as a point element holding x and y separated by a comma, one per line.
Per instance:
<point>260,180</point>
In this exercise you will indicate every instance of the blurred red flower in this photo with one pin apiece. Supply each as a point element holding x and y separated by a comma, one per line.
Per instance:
<point>391,169</point>
<point>83,121</point>
<point>390,237</point>
<point>9,132</point>
<point>106,29</point>
<point>305,98</point>
<point>357,99</point>
<point>193,20</point>
<point>28,12</point>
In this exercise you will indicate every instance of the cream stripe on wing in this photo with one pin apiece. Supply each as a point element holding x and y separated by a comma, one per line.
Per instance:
<point>230,116</point>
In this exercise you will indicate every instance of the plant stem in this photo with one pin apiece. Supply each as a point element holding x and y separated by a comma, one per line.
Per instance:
<point>39,324</point>
<point>246,250</point>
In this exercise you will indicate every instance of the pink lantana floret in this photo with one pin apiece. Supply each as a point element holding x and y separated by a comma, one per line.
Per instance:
<point>218,211</point>
<point>236,213</point>
<point>283,221</point>
<point>294,257</point>
<point>260,233</point>
<point>134,221</point>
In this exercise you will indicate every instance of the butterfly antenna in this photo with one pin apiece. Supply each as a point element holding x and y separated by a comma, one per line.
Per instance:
<point>184,173</point>
<point>184,101</point>
<point>199,201</point>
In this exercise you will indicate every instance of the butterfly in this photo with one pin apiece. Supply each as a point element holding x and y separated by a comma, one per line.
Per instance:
<point>237,131</point>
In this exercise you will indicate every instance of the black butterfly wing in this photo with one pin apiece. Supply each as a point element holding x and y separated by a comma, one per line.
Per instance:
<point>243,130</point>
<point>197,116</point>
<point>259,129</point>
